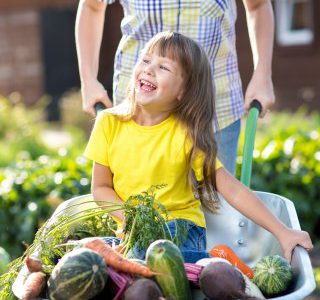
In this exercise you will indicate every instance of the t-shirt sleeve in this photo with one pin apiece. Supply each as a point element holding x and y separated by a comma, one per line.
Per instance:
<point>197,165</point>
<point>98,145</point>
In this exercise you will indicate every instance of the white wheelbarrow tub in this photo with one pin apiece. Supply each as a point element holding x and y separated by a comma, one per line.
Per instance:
<point>249,241</point>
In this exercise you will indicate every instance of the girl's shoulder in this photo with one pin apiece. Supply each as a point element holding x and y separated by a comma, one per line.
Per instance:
<point>114,115</point>
<point>105,118</point>
<point>121,111</point>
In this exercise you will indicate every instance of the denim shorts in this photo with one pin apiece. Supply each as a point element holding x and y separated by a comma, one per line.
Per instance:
<point>192,245</point>
<point>195,238</point>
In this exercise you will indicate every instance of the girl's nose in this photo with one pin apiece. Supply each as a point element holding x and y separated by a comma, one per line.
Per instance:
<point>148,69</point>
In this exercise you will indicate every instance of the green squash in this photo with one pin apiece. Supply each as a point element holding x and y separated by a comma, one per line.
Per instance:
<point>79,275</point>
<point>272,275</point>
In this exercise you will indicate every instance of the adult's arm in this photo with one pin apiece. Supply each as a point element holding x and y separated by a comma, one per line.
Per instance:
<point>88,33</point>
<point>260,22</point>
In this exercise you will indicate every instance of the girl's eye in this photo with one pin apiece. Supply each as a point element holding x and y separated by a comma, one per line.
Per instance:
<point>164,68</point>
<point>146,61</point>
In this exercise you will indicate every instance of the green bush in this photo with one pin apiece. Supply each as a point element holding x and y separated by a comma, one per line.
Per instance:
<point>287,162</point>
<point>40,166</point>
<point>24,128</point>
<point>71,111</point>
<point>30,190</point>
<point>316,272</point>
<point>20,130</point>
<point>4,261</point>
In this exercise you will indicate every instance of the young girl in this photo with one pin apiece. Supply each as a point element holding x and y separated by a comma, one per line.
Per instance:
<point>166,137</point>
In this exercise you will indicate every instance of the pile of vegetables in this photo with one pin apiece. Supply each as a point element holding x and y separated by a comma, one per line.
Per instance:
<point>98,270</point>
<point>142,213</point>
<point>72,258</point>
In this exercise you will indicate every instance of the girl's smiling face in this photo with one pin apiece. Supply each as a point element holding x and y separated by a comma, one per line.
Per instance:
<point>158,82</point>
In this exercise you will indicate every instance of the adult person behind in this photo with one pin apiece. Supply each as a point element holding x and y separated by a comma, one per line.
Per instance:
<point>209,22</point>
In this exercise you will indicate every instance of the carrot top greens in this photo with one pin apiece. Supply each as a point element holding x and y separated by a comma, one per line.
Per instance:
<point>146,221</point>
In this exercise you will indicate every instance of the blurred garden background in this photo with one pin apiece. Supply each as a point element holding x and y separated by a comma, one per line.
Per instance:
<point>43,130</point>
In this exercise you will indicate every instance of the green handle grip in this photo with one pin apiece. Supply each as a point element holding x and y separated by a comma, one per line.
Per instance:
<point>250,132</point>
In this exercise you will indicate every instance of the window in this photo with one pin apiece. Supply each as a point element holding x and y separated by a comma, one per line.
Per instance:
<point>294,22</point>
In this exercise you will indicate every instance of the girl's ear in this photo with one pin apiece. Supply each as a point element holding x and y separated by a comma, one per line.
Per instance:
<point>180,95</point>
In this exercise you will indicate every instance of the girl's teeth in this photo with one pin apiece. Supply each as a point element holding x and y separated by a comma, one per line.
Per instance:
<point>148,84</point>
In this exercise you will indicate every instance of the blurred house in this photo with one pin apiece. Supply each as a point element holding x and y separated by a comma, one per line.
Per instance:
<point>296,60</point>
<point>37,50</point>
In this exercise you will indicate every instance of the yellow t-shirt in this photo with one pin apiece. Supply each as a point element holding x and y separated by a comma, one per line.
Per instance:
<point>142,156</point>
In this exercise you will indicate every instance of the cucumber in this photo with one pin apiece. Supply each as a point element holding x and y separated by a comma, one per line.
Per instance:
<point>164,258</point>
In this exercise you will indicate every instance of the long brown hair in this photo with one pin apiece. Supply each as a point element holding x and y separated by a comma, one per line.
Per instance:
<point>196,110</point>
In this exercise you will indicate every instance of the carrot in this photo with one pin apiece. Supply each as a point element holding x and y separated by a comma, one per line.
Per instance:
<point>32,264</point>
<point>120,248</point>
<point>116,260</point>
<point>227,253</point>
<point>33,285</point>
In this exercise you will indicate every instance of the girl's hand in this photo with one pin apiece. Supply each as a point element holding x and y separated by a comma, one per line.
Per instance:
<point>291,238</point>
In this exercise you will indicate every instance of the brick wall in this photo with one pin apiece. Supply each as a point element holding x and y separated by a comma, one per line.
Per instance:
<point>35,4</point>
<point>20,54</point>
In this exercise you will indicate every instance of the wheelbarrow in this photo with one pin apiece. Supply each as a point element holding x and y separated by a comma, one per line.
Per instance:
<point>250,241</point>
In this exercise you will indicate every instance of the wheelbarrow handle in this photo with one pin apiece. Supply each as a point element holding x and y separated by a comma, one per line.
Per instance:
<point>249,137</point>
<point>99,106</point>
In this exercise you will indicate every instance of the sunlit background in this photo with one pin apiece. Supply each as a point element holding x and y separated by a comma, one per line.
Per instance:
<point>43,130</point>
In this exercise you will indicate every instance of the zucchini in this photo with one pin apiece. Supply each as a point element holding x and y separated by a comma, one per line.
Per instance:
<point>164,258</point>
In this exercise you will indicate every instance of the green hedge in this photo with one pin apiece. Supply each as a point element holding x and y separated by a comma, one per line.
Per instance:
<point>36,173</point>
<point>20,130</point>
<point>30,190</point>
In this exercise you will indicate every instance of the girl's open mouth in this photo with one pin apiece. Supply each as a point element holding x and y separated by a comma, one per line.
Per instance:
<point>146,85</point>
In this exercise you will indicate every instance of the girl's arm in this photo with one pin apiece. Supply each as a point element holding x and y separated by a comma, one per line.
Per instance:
<point>88,31</point>
<point>247,203</point>
<point>102,187</point>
